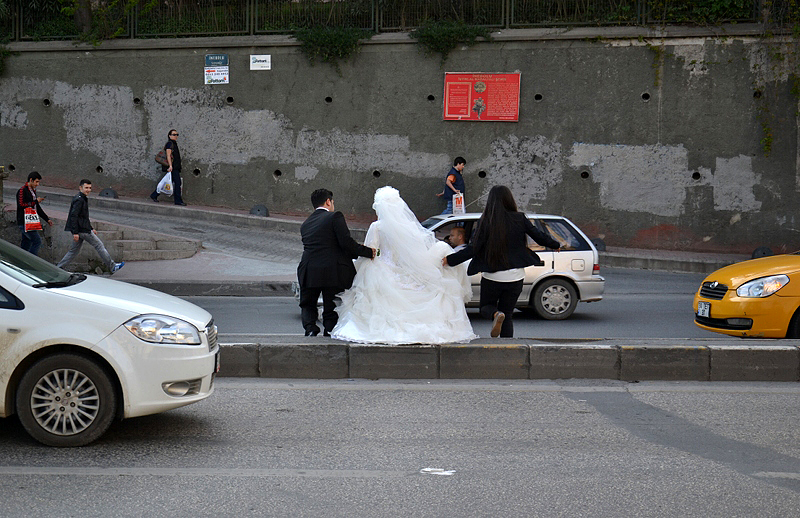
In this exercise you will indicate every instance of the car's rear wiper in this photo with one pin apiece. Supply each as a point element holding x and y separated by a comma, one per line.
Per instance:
<point>74,278</point>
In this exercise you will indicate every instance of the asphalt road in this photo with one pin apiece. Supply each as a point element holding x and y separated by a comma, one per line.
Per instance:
<point>637,304</point>
<point>429,448</point>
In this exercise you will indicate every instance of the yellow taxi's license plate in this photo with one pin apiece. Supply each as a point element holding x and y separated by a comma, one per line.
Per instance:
<point>703,309</point>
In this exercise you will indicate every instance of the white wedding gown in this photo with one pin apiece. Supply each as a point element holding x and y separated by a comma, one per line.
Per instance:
<point>405,295</point>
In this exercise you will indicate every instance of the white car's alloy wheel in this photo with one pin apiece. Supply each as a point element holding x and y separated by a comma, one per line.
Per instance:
<point>66,400</point>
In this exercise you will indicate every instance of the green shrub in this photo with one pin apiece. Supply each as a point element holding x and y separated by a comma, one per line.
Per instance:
<point>441,37</point>
<point>330,44</point>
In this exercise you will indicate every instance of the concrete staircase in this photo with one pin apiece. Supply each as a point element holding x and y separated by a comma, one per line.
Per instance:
<point>131,244</point>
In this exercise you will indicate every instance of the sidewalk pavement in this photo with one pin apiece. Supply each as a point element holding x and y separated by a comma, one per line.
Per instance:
<point>259,258</point>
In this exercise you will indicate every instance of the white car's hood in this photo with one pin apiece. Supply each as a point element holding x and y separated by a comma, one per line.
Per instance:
<point>135,299</point>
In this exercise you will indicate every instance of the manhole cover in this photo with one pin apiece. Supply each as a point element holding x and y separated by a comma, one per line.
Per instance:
<point>190,230</point>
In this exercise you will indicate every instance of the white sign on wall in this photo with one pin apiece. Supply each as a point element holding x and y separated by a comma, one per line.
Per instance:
<point>216,75</point>
<point>260,62</point>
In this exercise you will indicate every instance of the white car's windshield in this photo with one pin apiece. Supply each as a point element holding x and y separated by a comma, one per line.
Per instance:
<point>32,270</point>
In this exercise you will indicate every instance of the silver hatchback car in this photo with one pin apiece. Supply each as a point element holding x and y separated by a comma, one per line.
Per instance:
<point>553,290</point>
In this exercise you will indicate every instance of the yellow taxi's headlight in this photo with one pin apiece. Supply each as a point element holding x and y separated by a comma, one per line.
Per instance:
<point>763,287</point>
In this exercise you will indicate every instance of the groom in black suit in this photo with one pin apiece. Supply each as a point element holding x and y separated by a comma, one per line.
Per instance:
<point>327,263</point>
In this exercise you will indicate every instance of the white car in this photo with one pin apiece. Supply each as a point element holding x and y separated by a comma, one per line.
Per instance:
<point>552,290</point>
<point>78,352</point>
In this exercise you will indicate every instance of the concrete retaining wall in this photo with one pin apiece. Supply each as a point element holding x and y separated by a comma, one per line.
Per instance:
<point>645,140</point>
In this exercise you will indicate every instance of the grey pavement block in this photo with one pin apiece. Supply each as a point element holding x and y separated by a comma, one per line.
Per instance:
<point>574,361</point>
<point>664,362</point>
<point>755,363</point>
<point>316,361</point>
<point>469,361</point>
<point>393,361</point>
<point>238,360</point>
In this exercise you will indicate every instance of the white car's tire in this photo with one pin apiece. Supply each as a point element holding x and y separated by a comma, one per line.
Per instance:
<point>66,400</point>
<point>554,299</point>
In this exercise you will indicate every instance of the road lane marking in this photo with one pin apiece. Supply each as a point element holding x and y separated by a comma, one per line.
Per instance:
<point>200,472</point>
<point>777,474</point>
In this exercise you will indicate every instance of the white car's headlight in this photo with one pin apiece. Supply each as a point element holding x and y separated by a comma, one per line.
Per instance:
<point>162,329</point>
<point>763,287</point>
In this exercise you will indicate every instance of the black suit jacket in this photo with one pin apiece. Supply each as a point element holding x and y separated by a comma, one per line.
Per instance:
<point>328,252</point>
<point>519,255</point>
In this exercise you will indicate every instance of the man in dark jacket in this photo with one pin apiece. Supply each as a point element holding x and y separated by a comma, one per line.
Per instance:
<point>27,199</point>
<point>327,263</point>
<point>453,183</point>
<point>78,223</point>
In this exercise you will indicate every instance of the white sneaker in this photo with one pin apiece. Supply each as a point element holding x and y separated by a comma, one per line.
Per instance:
<point>117,266</point>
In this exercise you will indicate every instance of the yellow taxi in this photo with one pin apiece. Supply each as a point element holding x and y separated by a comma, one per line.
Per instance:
<point>754,299</point>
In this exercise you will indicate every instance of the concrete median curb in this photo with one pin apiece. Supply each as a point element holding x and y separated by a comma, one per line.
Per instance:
<point>626,360</point>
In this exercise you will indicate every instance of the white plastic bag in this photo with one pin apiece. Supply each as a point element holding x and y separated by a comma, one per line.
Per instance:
<point>458,204</point>
<point>165,185</point>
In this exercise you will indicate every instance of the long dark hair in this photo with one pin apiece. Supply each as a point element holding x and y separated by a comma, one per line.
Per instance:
<point>490,238</point>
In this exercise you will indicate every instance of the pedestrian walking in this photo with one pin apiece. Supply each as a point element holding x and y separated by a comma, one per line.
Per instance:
<point>30,214</point>
<point>78,223</point>
<point>453,183</point>
<point>500,251</point>
<point>173,166</point>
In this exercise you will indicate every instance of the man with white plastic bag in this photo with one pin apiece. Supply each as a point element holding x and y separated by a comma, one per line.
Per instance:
<point>171,165</point>
<point>453,186</point>
<point>30,214</point>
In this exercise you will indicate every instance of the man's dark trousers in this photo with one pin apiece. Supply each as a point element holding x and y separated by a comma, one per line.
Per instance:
<point>309,311</point>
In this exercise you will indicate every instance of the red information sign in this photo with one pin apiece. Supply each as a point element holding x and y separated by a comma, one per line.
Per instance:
<point>481,97</point>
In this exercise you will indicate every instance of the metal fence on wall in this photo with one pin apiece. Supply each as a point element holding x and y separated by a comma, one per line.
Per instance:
<point>28,20</point>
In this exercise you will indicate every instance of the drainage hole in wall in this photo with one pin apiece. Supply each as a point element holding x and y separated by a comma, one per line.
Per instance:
<point>137,101</point>
<point>757,94</point>
<point>645,97</point>
<point>99,169</point>
<point>695,175</point>
<point>584,174</point>
<point>196,172</point>
<point>431,98</point>
<point>11,167</point>
<point>376,174</point>
<point>46,102</point>
<point>538,97</point>
<point>277,173</point>
<point>329,100</point>
<point>229,100</point>
<point>481,174</point>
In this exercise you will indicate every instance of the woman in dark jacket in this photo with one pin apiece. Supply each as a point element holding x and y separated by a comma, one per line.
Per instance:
<point>500,250</point>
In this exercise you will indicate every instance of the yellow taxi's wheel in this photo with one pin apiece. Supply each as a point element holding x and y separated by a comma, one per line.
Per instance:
<point>794,326</point>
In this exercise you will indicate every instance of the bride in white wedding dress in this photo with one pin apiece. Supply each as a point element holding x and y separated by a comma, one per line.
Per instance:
<point>404,295</point>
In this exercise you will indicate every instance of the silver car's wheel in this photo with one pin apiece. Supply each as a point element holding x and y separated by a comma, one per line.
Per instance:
<point>555,299</point>
<point>65,400</point>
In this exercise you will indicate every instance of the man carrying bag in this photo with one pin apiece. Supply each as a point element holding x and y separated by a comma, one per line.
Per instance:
<point>29,214</point>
